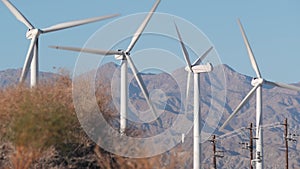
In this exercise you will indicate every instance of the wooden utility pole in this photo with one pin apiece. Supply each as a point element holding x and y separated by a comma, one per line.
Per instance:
<point>215,152</point>
<point>285,124</point>
<point>288,137</point>
<point>249,146</point>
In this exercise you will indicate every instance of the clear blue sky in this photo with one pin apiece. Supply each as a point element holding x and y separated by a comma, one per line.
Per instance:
<point>273,29</point>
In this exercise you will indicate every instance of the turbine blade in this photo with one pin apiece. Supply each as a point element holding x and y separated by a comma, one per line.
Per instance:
<point>141,83</point>
<point>28,59</point>
<point>84,50</point>
<point>140,30</point>
<point>283,85</point>
<point>250,53</point>
<point>187,89</point>
<point>200,59</point>
<point>237,109</point>
<point>184,50</point>
<point>76,23</point>
<point>17,14</point>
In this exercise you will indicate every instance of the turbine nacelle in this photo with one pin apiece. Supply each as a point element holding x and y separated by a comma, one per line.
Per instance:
<point>202,68</point>
<point>257,81</point>
<point>32,33</point>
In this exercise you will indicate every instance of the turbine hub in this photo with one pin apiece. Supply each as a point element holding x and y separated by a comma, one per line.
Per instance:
<point>187,68</point>
<point>121,57</point>
<point>257,81</point>
<point>32,32</point>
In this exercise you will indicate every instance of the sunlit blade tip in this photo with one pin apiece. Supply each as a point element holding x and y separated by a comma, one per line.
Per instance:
<point>140,30</point>
<point>17,14</point>
<point>54,47</point>
<point>249,50</point>
<point>184,50</point>
<point>71,24</point>
<point>85,50</point>
<point>283,85</point>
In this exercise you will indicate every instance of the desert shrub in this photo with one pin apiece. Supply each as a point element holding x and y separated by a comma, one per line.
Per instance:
<point>41,125</point>
<point>40,117</point>
<point>37,119</point>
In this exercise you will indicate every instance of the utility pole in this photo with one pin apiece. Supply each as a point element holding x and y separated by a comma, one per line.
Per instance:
<point>285,124</point>
<point>288,137</point>
<point>215,152</point>
<point>249,146</point>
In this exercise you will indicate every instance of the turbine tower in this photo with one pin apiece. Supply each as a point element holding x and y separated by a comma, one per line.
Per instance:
<point>34,33</point>
<point>124,56</point>
<point>196,69</point>
<point>257,83</point>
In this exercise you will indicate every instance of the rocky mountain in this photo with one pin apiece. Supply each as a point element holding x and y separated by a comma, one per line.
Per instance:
<point>221,92</point>
<point>10,77</point>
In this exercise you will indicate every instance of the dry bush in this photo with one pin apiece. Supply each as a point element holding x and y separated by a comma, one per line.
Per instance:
<point>174,159</point>
<point>36,119</point>
<point>23,157</point>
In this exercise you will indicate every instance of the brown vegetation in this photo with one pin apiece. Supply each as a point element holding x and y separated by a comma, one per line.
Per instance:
<point>41,126</point>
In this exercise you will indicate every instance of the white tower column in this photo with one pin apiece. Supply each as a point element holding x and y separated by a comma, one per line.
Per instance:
<point>197,118</point>
<point>34,66</point>
<point>124,96</point>
<point>259,132</point>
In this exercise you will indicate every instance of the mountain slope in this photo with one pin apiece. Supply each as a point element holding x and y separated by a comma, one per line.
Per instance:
<point>220,94</point>
<point>10,77</point>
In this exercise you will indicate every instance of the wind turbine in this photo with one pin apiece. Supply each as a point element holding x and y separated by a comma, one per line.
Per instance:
<point>257,83</point>
<point>196,69</point>
<point>124,56</point>
<point>34,33</point>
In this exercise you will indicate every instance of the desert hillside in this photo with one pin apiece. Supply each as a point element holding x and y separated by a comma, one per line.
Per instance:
<point>40,126</point>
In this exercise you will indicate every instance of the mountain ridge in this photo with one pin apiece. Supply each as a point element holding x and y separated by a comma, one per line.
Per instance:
<point>278,104</point>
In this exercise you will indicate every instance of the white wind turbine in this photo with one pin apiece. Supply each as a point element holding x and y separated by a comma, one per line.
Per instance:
<point>34,33</point>
<point>257,83</point>
<point>196,69</point>
<point>124,56</point>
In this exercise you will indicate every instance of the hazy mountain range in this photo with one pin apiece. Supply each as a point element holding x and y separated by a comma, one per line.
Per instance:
<point>220,93</point>
<point>10,77</point>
